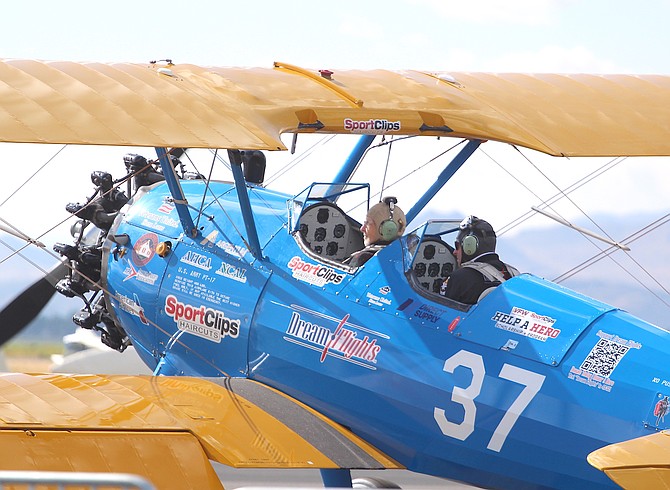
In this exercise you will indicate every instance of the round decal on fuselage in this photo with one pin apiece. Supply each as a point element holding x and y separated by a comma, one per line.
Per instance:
<point>144,249</point>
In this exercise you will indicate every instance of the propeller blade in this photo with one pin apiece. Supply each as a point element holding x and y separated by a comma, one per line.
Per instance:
<point>26,306</point>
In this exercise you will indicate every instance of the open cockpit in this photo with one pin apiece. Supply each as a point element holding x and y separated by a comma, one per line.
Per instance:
<point>328,234</point>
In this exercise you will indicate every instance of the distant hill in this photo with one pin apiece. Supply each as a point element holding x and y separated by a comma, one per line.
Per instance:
<point>47,328</point>
<point>550,252</point>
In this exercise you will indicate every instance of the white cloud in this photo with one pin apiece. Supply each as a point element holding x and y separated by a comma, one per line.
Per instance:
<point>361,28</point>
<point>576,59</point>
<point>527,12</point>
<point>546,59</point>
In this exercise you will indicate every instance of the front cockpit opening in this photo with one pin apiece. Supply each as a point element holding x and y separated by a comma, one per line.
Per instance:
<point>320,225</point>
<point>328,232</point>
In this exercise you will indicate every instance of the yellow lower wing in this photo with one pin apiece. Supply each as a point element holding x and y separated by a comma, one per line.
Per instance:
<point>166,428</point>
<point>641,463</point>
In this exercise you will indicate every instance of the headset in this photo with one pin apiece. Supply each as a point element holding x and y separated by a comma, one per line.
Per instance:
<point>388,229</point>
<point>472,244</point>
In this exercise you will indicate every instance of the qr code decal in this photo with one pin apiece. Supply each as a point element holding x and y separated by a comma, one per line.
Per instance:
<point>604,357</point>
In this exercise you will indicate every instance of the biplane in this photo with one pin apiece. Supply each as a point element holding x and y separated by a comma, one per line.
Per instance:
<point>267,349</point>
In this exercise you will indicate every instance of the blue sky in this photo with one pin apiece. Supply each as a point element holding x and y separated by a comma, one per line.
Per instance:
<point>477,35</point>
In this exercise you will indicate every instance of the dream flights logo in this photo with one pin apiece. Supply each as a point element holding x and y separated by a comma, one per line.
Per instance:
<point>342,342</point>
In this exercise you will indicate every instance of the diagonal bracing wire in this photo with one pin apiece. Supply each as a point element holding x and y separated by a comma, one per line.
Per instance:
<point>603,253</point>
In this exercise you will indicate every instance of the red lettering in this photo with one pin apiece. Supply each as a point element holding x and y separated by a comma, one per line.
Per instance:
<point>197,315</point>
<point>334,337</point>
<point>373,353</point>
<point>170,305</point>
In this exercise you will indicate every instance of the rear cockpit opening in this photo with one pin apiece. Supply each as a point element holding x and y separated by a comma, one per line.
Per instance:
<point>429,258</point>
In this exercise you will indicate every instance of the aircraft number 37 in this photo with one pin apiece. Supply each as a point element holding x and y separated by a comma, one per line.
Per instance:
<point>465,396</point>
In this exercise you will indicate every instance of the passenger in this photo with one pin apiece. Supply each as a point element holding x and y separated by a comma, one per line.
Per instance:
<point>479,267</point>
<point>384,223</point>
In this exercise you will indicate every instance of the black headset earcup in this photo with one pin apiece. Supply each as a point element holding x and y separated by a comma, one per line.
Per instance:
<point>470,244</point>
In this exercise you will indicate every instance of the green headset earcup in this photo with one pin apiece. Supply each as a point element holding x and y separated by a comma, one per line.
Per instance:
<point>470,244</point>
<point>388,230</point>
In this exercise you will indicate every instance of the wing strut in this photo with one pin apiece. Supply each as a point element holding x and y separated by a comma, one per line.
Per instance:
<point>245,206</point>
<point>336,478</point>
<point>350,165</point>
<point>177,193</point>
<point>442,179</point>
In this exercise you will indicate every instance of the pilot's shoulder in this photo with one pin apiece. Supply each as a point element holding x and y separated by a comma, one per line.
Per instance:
<point>466,271</point>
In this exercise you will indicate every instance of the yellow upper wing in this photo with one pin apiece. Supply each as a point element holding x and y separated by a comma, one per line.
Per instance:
<point>249,108</point>
<point>166,428</point>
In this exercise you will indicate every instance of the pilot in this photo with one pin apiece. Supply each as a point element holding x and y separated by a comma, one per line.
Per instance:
<point>479,267</point>
<point>384,223</point>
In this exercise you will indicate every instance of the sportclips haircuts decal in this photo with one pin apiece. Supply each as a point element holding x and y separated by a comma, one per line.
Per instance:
<point>527,323</point>
<point>208,323</point>
<point>373,126</point>
<point>333,337</point>
<point>315,274</point>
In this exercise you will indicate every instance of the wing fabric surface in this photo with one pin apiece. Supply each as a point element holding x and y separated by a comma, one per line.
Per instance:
<point>249,108</point>
<point>166,428</point>
<point>640,463</point>
<point>167,459</point>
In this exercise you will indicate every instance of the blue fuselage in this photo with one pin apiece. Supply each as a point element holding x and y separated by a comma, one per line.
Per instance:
<point>513,392</point>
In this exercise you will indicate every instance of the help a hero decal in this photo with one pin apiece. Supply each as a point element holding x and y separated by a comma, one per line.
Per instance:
<point>334,337</point>
<point>202,321</point>
<point>527,323</point>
